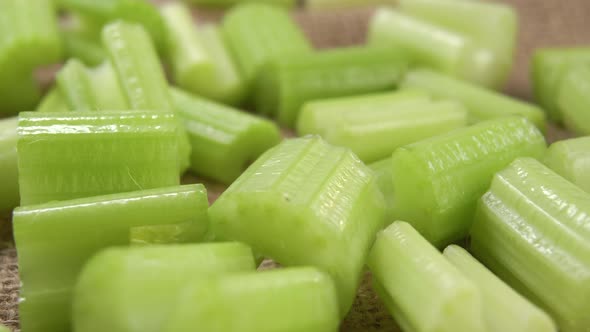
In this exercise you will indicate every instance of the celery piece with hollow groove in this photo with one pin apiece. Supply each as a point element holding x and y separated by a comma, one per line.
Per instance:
<point>573,99</point>
<point>229,3</point>
<point>289,82</point>
<point>373,126</point>
<point>305,202</point>
<point>54,240</point>
<point>437,181</point>
<point>9,197</point>
<point>504,310</point>
<point>383,176</point>
<point>420,288</point>
<point>79,154</point>
<point>532,230</point>
<point>53,101</point>
<point>482,104</point>
<point>282,300</point>
<point>137,289</point>
<point>257,33</point>
<point>548,69</point>
<point>223,140</point>
<point>571,159</point>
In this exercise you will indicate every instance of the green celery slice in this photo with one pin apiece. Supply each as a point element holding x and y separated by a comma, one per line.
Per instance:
<point>136,289</point>
<point>228,3</point>
<point>83,227</point>
<point>224,140</point>
<point>548,69</point>
<point>532,228</point>
<point>337,4</point>
<point>384,178</point>
<point>159,234</point>
<point>83,48</point>
<point>53,101</point>
<point>284,300</point>
<point>504,309</point>
<point>573,99</point>
<point>437,181</point>
<point>373,126</point>
<point>290,81</point>
<point>305,202</point>
<point>571,159</point>
<point>482,104</point>
<point>9,196</point>
<point>257,33</point>
<point>79,154</point>
<point>420,288</point>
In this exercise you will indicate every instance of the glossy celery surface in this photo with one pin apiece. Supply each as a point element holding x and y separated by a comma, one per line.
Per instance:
<point>373,126</point>
<point>284,300</point>
<point>137,289</point>
<point>482,104</point>
<point>382,169</point>
<point>82,227</point>
<point>531,229</point>
<point>228,3</point>
<point>437,181</point>
<point>257,33</point>
<point>571,159</point>
<point>504,310</point>
<point>9,197</point>
<point>53,101</point>
<point>548,69</point>
<point>574,99</point>
<point>286,84</point>
<point>69,155</point>
<point>305,202</point>
<point>419,287</point>
<point>224,140</point>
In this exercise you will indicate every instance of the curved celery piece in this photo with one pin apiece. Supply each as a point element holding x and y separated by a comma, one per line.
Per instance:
<point>54,241</point>
<point>373,126</point>
<point>228,3</point>
<point>224,140</point>
<point>504,310</point>
<point>571,159</point>
<point>549,67</point>
<point>9,197</point>
<point>382,169</point>
<point>531,229</point>
<point>305,202</point>
<point>136,289</point>
<point>53,101</point>
<point>573,99</point>
<point>290,81</point>
<point>284,300</point>
<point>421,289</point>
<point>257,33</point>
<point>437,181</point>
<point>482,104</point>
<point>69,155</point>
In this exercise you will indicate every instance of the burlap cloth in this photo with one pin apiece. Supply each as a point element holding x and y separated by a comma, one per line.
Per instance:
<point>543,23</point>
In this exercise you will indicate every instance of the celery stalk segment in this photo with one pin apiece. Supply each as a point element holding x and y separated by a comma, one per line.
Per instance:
<point>9,196</point>
<point>53,101</point>
<point>228,3</point>
<point>573,99</point>
<point>571,159</point>
<point>382,169</point>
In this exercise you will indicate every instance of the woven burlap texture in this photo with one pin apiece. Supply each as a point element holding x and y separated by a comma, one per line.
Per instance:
<point>543,23</point>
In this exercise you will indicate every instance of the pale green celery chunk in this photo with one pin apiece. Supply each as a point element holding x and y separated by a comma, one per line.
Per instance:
<point>53,101</point>
<point>283,300</point>
<point>420,288</point>
<point>438,181</point>
<point>228,3</point>
<point>305,202</point>
<point>382,169</point>
<point>137,289</point>
<point>532,229</point>
<point>504,310</point>
<point>573,99</point>
<point>571,159</point>
<point>9,197</point>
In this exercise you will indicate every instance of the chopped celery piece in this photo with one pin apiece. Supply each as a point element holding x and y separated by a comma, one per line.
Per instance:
<point>83,48</point>
<point>284,300</point>
<point>257,33</point>
<point>18,93</point>
<point>437,181</point>
<point>290,81</point>
<point>384,177</point>
<point>54,240</point>
<point>571,159</point>
<point>549,67</point>
<point>228,3</point>
<point>305,202</point>
<point>420,288</point>
<point>531,229</point>
<point>481,103</point>
<point>159,234</point>
<point>574,99</point>
<point>79,154</point>
<point>504,310</point>
<point>373,126</point>
<point>137,289</point>
<point>224,140</point>
<point>337,4</point>
<point>9,197</point>
<point>53,101</point>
